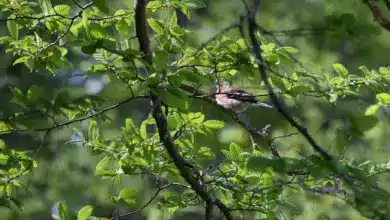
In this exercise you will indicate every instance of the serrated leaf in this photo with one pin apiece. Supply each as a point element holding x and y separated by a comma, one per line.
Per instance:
<point>4,159</point>
<point>45,6</point>
<point>84,213</point>
<point>235,151</point>
<point>85,23</point>
<point>214,124</point>
<point>172,19</point>
<point>102,5</point>
<point>97,31</point>
<point>62,9</point>
<point>100,167</point>
<point>4,129</point>
<point>157,26</point>
<point>13,29</point>
<point>341,70</point>
<point>93,131</point>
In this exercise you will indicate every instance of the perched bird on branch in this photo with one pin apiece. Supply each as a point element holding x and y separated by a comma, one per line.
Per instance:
<point>236,98</point>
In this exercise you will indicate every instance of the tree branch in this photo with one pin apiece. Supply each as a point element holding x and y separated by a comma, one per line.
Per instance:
<point>278,104</point>
<point>377,13</point>
<point>79,119</point>
<point>161,120</point>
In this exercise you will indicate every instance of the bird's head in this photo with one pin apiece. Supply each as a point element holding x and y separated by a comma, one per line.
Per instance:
<point>223,86</point>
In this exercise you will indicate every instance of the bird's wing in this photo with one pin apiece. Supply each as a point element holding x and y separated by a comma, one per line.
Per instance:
<point>239,94</point>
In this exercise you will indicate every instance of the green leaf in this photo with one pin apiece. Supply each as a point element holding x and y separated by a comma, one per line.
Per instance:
<point>93,131</point>
<point>175,98</point>
<point>183,7</point>
<point>63,211</point>
<point>102,5</point>
<point>371,110</point>
<point>35,93</point>
<point>154,5</point>
<point>160,60</point>
<point>262,163</point>
<point>340,69</point>
<point>193,77</point>
<point>128,195</point>
<point>18,97</point>
<point>97,31</point>
<point>84,213</point>
<point>177,31</point>
<point>13,29</point>
<point>85,23</point>
<point>123,28</point>
<point>214,124</point>
<point>129,125</point>
<point>100,167</point>
<point>383,98</point>
<point>131,54</point>
<point>363,123</point>
<point>194,3</point>
<point>143,131</point>
<point>384,71</point>
<point>172,19</point>
<point>45,6</point>
<point>89,49</point>
<point>62,9</point>
<point>4,129</point>
<point>157,26</point>
<point>290,50</point>
<point>22,60</point>
<point>235,151</point>
<point>154,79</point>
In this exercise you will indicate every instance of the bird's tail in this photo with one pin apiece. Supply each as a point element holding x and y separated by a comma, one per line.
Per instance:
<point>262,104</point>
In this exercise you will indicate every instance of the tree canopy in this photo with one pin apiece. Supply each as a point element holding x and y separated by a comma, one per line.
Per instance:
<point>108,109</point>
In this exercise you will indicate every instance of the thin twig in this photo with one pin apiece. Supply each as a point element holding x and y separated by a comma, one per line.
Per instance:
<point>147,203</point>
<point>278,104</point>
<point>81,118</point>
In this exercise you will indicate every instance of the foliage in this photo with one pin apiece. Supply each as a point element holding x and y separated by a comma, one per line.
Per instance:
<point>46,37</point>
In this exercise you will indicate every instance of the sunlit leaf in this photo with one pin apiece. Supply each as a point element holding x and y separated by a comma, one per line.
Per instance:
<point>340,69</point>
<point>84,213</point>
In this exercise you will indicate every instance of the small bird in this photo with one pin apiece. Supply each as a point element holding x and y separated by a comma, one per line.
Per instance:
<point>236,98</point>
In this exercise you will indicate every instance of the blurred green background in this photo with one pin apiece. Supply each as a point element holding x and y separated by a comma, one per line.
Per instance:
<point>325,32</point>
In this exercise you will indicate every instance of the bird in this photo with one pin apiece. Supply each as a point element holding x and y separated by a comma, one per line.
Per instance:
<point>235,98</point>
